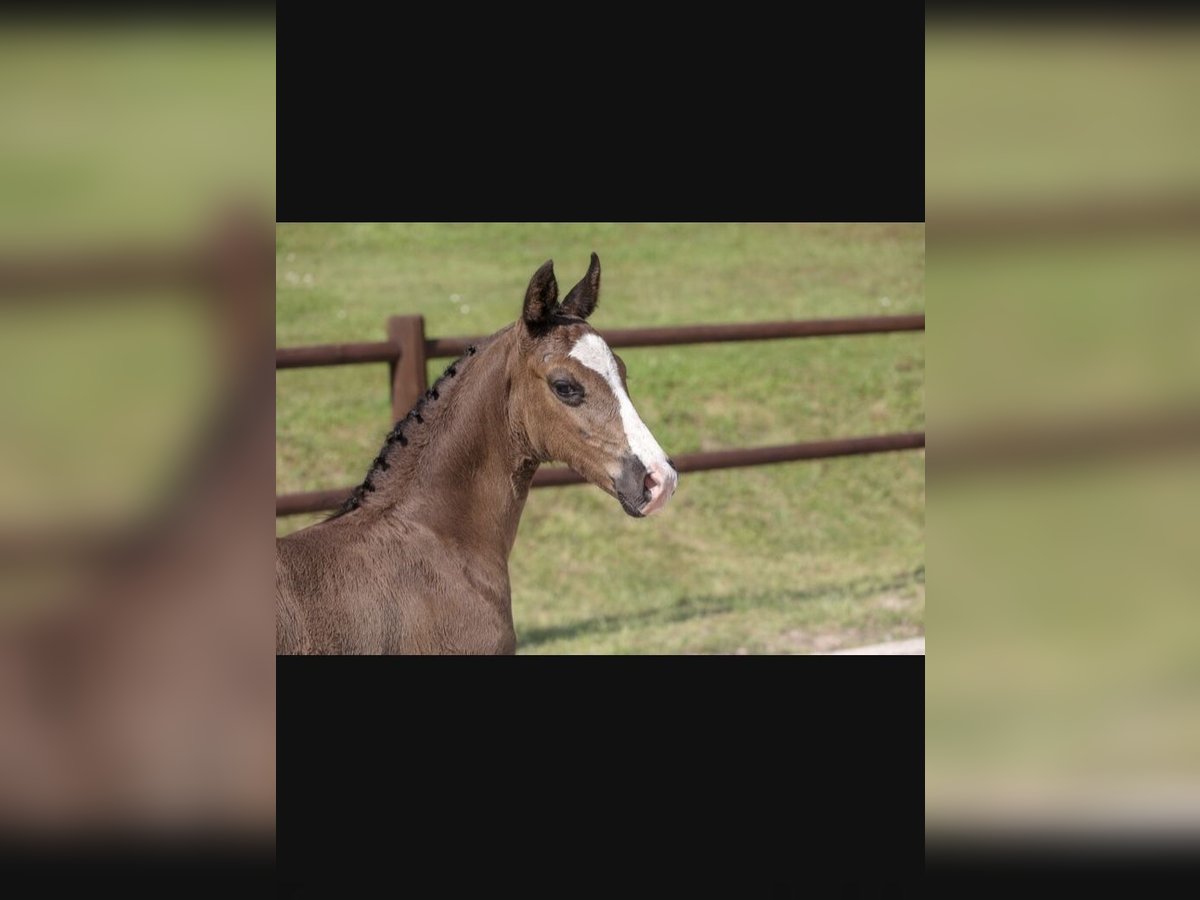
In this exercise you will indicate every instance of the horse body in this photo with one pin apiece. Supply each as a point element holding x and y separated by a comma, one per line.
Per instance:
<point>417,560</point>
<point>428,598</point>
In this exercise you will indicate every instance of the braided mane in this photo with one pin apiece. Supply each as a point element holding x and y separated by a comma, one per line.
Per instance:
<point>397,436</point>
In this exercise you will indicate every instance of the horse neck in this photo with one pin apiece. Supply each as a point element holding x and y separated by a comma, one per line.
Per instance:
<point>465,473</point>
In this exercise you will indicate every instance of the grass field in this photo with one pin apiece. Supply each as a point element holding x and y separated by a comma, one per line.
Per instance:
<point>788,558</point>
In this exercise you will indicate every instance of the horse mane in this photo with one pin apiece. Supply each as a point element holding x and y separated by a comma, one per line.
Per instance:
<point>397,436</point>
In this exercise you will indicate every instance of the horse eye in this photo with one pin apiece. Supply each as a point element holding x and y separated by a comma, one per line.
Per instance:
<point>568,391</point>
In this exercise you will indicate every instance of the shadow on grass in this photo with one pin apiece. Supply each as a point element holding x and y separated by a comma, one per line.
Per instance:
<point>694,607</point>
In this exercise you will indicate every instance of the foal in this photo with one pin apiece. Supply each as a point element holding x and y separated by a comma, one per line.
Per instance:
<point>416,561</point>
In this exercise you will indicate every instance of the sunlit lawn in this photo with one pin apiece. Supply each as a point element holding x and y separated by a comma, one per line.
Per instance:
<point>777,559</point>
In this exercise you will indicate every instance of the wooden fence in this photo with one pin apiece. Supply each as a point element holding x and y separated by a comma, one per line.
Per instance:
<point>407,349</point>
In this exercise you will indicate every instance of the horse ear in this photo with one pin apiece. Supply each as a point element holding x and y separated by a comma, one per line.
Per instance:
<point>541,295</point>
<point>584,296</point>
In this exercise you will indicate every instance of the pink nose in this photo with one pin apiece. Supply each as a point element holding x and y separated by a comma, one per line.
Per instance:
<point>660,483</point>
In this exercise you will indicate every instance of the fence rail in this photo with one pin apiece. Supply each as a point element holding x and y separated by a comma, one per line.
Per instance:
<point>407,351</point>
<point>711,334</point>
<point>317,501</point>
<point>388,351</point>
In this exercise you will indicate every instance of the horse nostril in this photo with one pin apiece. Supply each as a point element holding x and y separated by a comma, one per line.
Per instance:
<point>649,483</point>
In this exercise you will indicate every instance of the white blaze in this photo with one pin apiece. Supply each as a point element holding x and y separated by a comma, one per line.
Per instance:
<point>594,352</point>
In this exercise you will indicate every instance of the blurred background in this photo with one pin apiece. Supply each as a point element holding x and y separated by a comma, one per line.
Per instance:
<point>1062,176</point>
<point>1062,171</point>
<point>137,187</point>
<point>789,558</point>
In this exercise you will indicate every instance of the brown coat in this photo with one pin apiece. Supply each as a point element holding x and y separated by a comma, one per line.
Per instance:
<point>417,560</point>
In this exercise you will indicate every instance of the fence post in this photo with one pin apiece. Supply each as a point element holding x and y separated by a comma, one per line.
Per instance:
<point>408,369</point>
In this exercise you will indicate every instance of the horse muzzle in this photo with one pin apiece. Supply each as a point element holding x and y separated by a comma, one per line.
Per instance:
<point>644,491</point>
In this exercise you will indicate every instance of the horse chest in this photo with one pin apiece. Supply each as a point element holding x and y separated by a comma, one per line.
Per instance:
<point>463,608</point>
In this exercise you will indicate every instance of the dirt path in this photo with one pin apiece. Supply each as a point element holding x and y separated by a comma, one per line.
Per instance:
<point>911,647</point>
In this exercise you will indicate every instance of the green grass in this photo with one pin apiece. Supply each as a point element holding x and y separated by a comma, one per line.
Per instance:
<point>775,559</point>
<point>1031,115</point>
<point>140,132</point>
